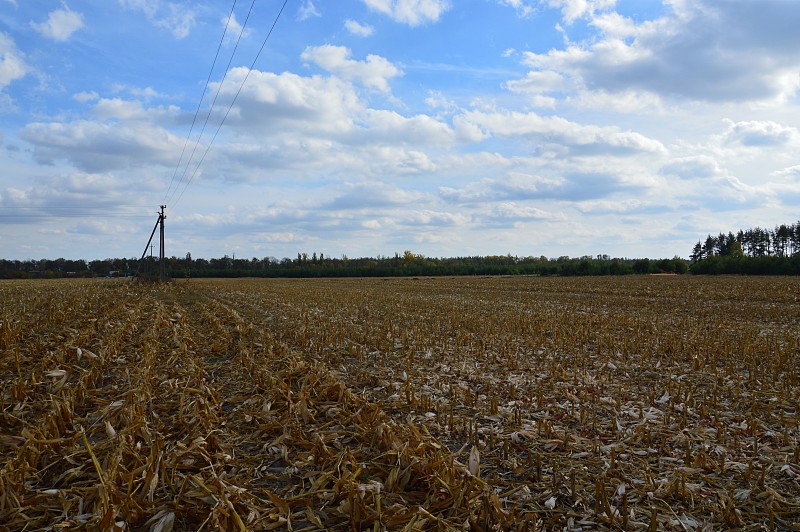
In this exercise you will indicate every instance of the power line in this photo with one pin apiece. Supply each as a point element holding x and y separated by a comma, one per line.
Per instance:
<point>21,212</point>
<point>213,102</point>
<point>167,194</point>
<point>64,207</point>
<point>200,103</point>
<point>72,215</point>
<point>236,96</point>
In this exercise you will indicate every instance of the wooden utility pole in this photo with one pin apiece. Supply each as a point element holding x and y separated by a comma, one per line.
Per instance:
<point>162,263</point>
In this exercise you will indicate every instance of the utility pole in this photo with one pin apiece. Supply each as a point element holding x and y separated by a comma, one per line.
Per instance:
<point>162,264</point>
<point>163,271</point>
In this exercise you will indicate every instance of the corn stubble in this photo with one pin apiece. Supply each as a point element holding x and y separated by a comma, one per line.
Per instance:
<point>495,403</point>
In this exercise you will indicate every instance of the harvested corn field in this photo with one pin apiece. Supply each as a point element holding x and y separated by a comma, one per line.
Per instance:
<point>639,403</point>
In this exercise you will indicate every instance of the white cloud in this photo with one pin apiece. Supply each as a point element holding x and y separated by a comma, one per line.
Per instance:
<point>375,72</point>
<point>693,167</point>
<point>536,82</point>
<point>791,173</point>
<point>624,101</point>
<point>518,187</point>
<point>124,135</point>
<point>307,11</point>
<point>523,8</point>
<point>543,102</point>
<point>615,207</point>
<point>559,133</point>
<point>86,96</point>
<point>721,51</point>
<point>371,196</point>
<point>178,19</point>
<point>433,218</point>
<point>81,191</point>
<point>517,211</point>
<point>393,128</point>
<point>760,133</point>
<point>272,103</point>
<point>95,147</point>
<point>146,93</point>
<point>60,24</point>
<point>572,10</point>
<point>411,12</point>
<point>319,124</point>
<point>234,29</point>
<point>118,109</point>
<point>437,100</point>
<point>12,62</point>
<point>614,25</point>
<point>362,30</point>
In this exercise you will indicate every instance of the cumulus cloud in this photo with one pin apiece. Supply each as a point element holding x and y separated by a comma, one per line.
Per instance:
<point>760,133</point>
<point>392,129</point>
<point>317,123</point>
<point>571,186</point>
<point>271,103</point>
<point>702,180</point>
<point>356,28</point>
<point>411,12</point>
<point>693,167</point>
<point>792,173</point>
<point>60,24</point>
<point>784,186</point>
<point>375,72</point>
<point>98,146</point>
<point>626,101</point>
<point>537,81</point>
<point>575,9</point>
<point>178,19</point>
<point>371,196</point>
<point>113,109</point>
<point>75,192</point>
<point>12,62</point>
<point>721,51</point>
<point>561,134</point>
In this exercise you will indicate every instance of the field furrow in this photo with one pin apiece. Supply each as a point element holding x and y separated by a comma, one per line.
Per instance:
<point>448,403</point>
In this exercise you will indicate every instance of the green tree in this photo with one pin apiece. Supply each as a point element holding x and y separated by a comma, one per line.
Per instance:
<point>641,266</point>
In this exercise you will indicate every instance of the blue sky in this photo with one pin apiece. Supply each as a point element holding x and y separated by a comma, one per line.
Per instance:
<point>369,127</point>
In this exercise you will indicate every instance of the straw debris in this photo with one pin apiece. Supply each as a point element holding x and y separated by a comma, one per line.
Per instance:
<point>493,403</point>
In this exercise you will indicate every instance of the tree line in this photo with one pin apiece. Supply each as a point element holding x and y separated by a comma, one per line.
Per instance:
<point>320,265</point>
<point>755,251</point>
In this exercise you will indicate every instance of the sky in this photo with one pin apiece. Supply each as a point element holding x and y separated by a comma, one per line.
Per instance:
<point>371,127</point>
